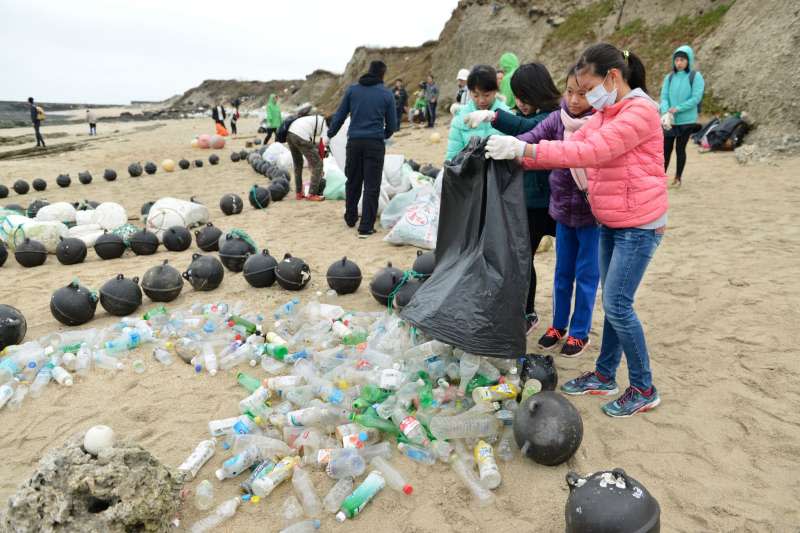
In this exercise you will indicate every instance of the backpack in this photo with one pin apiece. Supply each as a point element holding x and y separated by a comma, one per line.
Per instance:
<point>692,74</point>
<point>40,113</point>
<point>728,135</point>
<point>282,133</point>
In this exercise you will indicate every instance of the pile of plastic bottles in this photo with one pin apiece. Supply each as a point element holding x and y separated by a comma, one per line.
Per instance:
<point>335,391</point>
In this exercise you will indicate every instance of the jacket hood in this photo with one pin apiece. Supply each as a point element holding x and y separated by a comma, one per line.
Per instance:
<point>509,62</point>
<point>369,79</point>
<point>686,49</point>
<point>565,107</point>
<point>271,100</point>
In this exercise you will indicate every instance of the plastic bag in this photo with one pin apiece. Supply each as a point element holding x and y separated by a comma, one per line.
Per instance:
<point>383,201</point>
<point>338,144</point>
<point>57,212</point>
<point>475,299</point>
<point>110,215</point>
<point>88,233</point>
<point>418,224</point>
<point>48,233</point>
<point>168,212</point>
<point>280,155</point>
<point>82,218</point>
<point>335,180</point>
<point>125,231</point>
<point>397,206</point>
<point>393,169</point>
<point>437,185</point>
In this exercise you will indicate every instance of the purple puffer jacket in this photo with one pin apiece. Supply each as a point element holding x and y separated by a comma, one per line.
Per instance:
<point>568,205</point>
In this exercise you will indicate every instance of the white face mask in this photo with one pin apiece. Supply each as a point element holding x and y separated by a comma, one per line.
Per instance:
<point>600,98</point>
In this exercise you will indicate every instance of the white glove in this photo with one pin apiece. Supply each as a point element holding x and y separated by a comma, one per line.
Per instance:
<point>454,108</point>
<point>667,119</point>
<point>504,147</point>
<point>474,119</point>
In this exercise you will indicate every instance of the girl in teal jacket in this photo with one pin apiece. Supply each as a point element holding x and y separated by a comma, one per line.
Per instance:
<point>681,95</point>
<point>482,85</point>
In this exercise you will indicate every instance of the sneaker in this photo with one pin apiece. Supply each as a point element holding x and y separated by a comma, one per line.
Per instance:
<point>300,196</point>
<point>574,346</point>
<point>315,198</point>
<point>632,402</point>
<point>551,338</point>
<point>365,234</point>
<point>590,383</point>
<point>350,224</point>
<point>531,321</point>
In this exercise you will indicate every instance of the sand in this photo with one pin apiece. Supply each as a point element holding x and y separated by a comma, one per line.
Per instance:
<point>719,304</point>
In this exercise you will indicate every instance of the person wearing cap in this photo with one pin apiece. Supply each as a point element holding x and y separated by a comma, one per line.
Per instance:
<point>462,95</point>
<point>373,119</point>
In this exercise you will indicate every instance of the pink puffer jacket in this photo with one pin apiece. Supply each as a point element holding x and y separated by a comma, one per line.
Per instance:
<point>622,149</point>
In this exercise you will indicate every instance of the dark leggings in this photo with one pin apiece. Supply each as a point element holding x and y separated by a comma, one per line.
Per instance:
<point>680,143</point>
<point>270,131</point>
<point>539,224</point>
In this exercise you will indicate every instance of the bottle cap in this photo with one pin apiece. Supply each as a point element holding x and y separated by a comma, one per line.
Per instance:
<point>317,523</point>
<point>220,474</point>
<point>363,437</point>
<point>255,499</point>
<point>246,497</point>
<point>341,517</point>
<point>407,490</point>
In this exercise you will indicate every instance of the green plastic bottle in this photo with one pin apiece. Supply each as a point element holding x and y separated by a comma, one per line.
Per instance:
<point>355,338</point>
<point>248,382</point>
<point>158,311</point>
<point>360,497</point>
<point>425,390</point>
<point>479,381</point>
<point>373,394</point>
<point>276,351</point>
<point>371,419</point>
<point>248,326</point>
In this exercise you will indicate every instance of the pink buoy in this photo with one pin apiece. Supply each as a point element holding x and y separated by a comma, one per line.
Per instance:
<point>217,142</point>
<point>204,141</point>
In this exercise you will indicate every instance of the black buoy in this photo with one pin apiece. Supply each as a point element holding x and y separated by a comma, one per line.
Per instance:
<point>145,210</point>
<point>63,180</point>
<point>3,253</point>
<point>235,157</point>
<point>85,177</point>
<point>73,305</point>
<point>208,238</point>
<point>184,164</point>
<point>259,197</point>
<point>610,502</point>
<point>205,272</point>
<point>71,251</point>
<point>109,246</point>
<point>541,368</point>
<point>120,296</point>
<point>344,276</point>
<point>243,154</point>
<point>259,270</point>
<point>293,273</point>
<point>406,292</point>
<point>13,326</point>
<point>277,190</point>
<point>21,187</point>
<point>233,252</point>
<point>135,170</point>
<point>150,168</point>
<point>3,191</point>
<point>162,283</point>
<point>198,163</point>
<point>177,239</point>
<point>30,253</point>
<point>34,207</point>
<point>213,159</point>
<point>231,204</point>
<point>384,283</point>
<point>424,264</point>
<point>143,242</point>
<point>110,174</point>
<point>39,184</point>
<point>548,429</point>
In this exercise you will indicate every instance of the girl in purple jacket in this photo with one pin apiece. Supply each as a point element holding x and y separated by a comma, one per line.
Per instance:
<point>577,233</point>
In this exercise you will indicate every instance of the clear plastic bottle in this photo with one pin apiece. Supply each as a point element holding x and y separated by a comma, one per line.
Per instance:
<point>262,470</point>
<point>394,479</point>
<point>489,474</point>
<point>306,493</point>
<point>467,368</point>
<point>306,526</point>
<point>162,356</point>
<point>463,426</point>
<point>348,463</point>
<point>210,359</point>
<point>42,379</point>
<point>267,446</point>
<point>382,449</point>
<point>283,382</point>
<point>225,511</point>
<point>429,348</point>
<point>83,360</point>
<point>105,361</point>
<point>239,463</point>
<point>356,502</point>
<point>417,453</point>
<point>200,456</point>
<point>6,393</point>
<point>338,493</point>
<point>204,495</point>
<point>292,509</point>
<point>287,310</point>
<point>19,396</point>
<point>467,476</point>
<point>410,426</point>
<point>505,447</point>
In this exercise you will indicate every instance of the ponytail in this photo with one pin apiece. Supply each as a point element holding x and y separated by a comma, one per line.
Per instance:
<point>603,57</point>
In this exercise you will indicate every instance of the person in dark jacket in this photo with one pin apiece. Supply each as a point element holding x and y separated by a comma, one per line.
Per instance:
<point>37,122</point>
<point>536,97</point>
<point>218,115</point>
<point>400,100</point>
<point>432,98</point>
<point>373,119</point>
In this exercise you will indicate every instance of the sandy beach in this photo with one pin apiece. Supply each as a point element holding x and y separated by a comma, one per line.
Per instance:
<point>719,304</point>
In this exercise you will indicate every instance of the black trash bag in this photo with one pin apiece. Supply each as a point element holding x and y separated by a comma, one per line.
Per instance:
<point>475,299</point>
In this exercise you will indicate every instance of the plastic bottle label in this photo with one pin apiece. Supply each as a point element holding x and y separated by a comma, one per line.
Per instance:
<point>409,425</point>
<point>391,379</point>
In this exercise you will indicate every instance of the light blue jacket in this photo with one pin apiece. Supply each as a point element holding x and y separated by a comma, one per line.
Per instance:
<point>460,133</point>
<point>677,92</point>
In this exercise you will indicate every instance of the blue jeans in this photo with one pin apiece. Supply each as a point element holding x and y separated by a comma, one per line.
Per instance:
<point>577,264</point>
<point>624,256</point>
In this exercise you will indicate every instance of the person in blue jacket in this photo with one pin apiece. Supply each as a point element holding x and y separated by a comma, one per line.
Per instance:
<point>681,95</point>
<point>373,119</point>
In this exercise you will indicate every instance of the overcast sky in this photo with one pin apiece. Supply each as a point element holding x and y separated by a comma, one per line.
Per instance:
<point>114,51</point>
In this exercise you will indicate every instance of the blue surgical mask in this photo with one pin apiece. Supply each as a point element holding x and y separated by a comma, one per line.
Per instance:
<point>600,98</point>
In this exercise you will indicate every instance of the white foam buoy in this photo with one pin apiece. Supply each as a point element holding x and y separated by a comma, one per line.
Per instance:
<point>97,439</point>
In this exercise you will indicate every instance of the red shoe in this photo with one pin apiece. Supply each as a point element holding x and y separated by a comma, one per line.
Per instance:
<point>315,198</point>
<point>300,196</point>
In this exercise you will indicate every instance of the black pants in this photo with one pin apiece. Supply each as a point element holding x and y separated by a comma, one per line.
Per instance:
<point>364,169</point>
<point>39,138</point>
<point>679,139</point>
<point>233,127</point>
<point>270,131</point>
<point>431,114</point>
<point>539,224</point>
<point>400,114</point>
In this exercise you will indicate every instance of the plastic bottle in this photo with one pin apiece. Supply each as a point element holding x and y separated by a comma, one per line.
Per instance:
<point>83,360</point>
<point>204,495</point>
<point>347,463</point>
<point>463,426</point>
<point>42,379</point>
<point>467,475</point>
<point>410,426</point>
<point>337,495</point>
<point>429,348</point>
<point>394,479</point>
<point>222,513</point>
<point>129,340</point>
<point>6,393</point>
<point>382,449</point>
<point>200,456</point>
<point>62,377</point>
<point>283,382</point>
<point>19,396</point>
<point>286,310</point>
<point>263,469</point>
<point>417,453</point>
<point>274,338</point>
<point>276,351</point>
<point>468,367</point>
<point>360,497</point>
<point>162,356</point>
<point>103,360</point>
<point>495,393</point>
<point>306,526</point>
<point>505,447</point>
<point>371,420</point>
<point>238,463</point>
<point>210,359</point>
<point>224,426</point>
<point>282,471</point>
<point>489,474</point>
<point>292,509</point>
<point>248,382</point>
<point>306,493</point>
<point>442,449</point>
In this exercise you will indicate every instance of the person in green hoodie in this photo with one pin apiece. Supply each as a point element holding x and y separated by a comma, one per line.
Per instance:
<point>509,63</point>
<point>482,85</point>
<point>536,96</point>
<point>681,95</point>
<point>273,117</point>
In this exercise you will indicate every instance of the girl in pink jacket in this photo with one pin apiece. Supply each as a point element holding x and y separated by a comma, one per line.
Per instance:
<point>621,148</point>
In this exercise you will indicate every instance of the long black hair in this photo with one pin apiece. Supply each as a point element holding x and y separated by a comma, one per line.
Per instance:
<point>482,77</point>
<point>533,84</point>
<point>603,57</point>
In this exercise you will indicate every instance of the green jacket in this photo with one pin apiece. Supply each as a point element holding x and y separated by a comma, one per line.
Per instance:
<point>536,182</point>
<point>460,133</point>
<point>677,92</point>
<point>273,113</point>
<point>509,63</point>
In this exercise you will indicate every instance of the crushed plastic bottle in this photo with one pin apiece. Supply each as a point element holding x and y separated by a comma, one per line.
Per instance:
<point>204,495</point>
<point>338,493</point>
<point>224,512</point>
<point>394,479</point>
<point>467,476</point>
<point>305,492</point>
